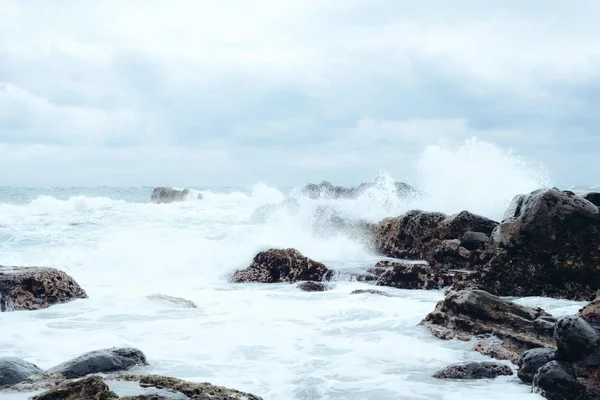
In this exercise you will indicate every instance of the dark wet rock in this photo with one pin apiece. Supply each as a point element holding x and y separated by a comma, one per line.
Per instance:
<point>34,288</point>
<point>474,313</point>
<point>92,388</point>
<point>591,312</point>
<point>174,301</point>
<point>577,340</point>
<point>474,240</point>
<point>108,360</point>
<point>372,291</point>
<point>592,197</point>
<point>14,370</point>
<point>532,360</point>
<point>165,195</point>
<point>282,265</point>
<point>474,370</point>
<point>550,246</point>
<point>195,391</point>
<point>326,190</point>
<point>557,381</point>
<point>313,286</point>
<point>431,236</point>
<point>499,351</point>
<point>408,276</point>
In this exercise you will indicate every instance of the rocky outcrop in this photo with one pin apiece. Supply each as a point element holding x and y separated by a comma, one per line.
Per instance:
<point>92,388</point>
<point>434,237</point>
<point>548,246</point>
<point>282,265</point>
<point>34,288</point>
<point>327,190</point>
<point>402,275</point>
<point>165,195</point>
<point>467,314</point>
<point>313,286</point>
<point>109,360</point>
<point>14,370</point>
<point>474,370</point>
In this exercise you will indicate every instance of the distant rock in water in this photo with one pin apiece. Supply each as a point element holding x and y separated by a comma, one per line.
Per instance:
<point>282,265</point>
<point>326,189</point>
<point>474,370</point>
<point>313,286</point>
<point>108,360</point>
<point>176,301</point>
<point>372,291</point>
<point>34,288</point>
<point>165,195</point>
<point>14,370</point>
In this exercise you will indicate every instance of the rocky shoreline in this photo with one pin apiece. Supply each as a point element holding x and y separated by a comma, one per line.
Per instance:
<point>548,244</point>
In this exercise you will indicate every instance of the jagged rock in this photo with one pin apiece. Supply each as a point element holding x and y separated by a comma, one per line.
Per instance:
<point>108,360</point>
<point>326,189</point>
<point>557,381</point>
<point>408,276</point>
<point>577,340</point>
<point>474,370</point>
<point>532,360</point>
<point>176,301</point>
<point>165,195</point>
<point>282,265</point>
<point>313,286</point>
<point>472,313</point>
<point>474,240</point>
<point>92,388</point>
<point>14,370</point>
<point>34,288</point>
<point>549,246</point>
<point>195,391</point>
<point>372,291</point>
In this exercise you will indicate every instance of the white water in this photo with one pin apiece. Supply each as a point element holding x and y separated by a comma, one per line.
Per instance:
<point>271,340</point>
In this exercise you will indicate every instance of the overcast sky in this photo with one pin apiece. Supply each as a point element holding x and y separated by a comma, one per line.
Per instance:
<point>232,92</point>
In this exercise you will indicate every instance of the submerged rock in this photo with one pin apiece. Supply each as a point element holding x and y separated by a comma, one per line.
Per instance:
<point>176,301</point>
<point>165,195</point>
<point>557,381</point>
<point>14,370</point>
<point>34,288</point>
<point>372,291</point>
<point>108,360</point>
<point>532,360</point>
<point>313,286</point>
<point>282,265</point>
<point>474,313</point>
<point>92,388</point>
<point>474,370</point>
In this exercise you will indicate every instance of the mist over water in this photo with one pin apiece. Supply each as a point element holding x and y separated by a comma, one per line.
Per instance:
<point>271,340</point>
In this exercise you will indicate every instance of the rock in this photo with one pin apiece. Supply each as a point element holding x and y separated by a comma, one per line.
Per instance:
<point>92,388</point>
<point>165,195</point>
<point>474,370</point>
<point>14,370</point>
<point>550,247</point>
<point>557,381</point>
<point>282,265</point>
<point>532,360</point>
<point>372,291</point>
<point>432,237</point>
<point>326,189</point>
<point>195,391</point>
<point>472,313</point>
<point>108,360</point>
<point>474,240</point>
<point>38,382</point>
<point>498,351</point>
<point>591,312</point>
<point>34,288</point>
<point>408,276</point>
<point>577,340</point>
<point>176,301</point>
<point>592,197</point>
<point>313,286</point>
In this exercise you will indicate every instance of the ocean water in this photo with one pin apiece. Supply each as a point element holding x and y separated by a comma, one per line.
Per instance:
<point>271,340</point>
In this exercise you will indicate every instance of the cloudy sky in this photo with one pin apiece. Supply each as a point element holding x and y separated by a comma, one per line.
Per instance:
<point>232,92</point>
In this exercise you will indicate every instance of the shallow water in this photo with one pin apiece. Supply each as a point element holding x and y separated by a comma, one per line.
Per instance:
<point>271,340</point>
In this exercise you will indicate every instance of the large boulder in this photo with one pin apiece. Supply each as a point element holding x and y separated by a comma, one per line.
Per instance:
<point>14,370</point>
<point>467,314</point>
<point>577,340</point>
<point>557,381</point>
<point>548,246</point>
<point>434,237</point>
<point>164,195</point>
<point>532,360</point>
<point>282,265</point>
<point>108,360</point>
<point>474,370</point>
<point>34,288</point>
<point>92,388</point>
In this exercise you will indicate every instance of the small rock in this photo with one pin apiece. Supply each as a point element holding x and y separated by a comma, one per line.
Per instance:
<point>532,360</point>
<point>165,195</point>
<point>14,370</point>
<point>577,340</point>
<point>474,240</point>
<point>177,301</point>
<point>474,370</point>
<point>108,360</point>
<point>372,291</point>
<point>92,388</point>
<point>557,381</point>
<point>313,286</point>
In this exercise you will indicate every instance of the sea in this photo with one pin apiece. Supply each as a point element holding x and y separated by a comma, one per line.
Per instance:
<point>272,340</point>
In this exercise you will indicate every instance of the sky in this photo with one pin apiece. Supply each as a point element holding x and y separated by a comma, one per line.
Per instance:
<point>234,92</point>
